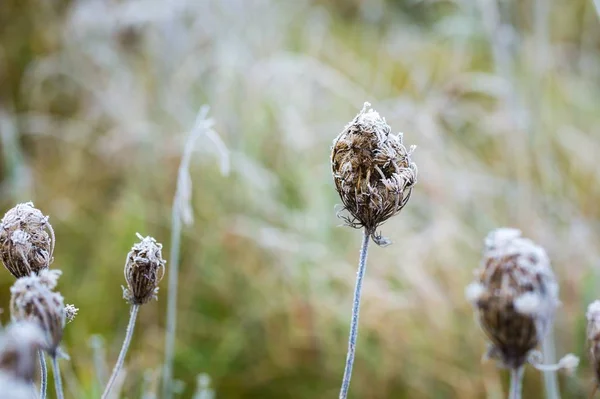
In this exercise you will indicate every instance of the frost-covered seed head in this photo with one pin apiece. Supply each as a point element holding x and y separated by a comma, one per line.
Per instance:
<point>19,345</point>
<point>593,336</point>
<point>26,240</point>
<point>70,312</point>
<point>14,388</point>
<point>514,294</point>
<point>32,299</point>
<point>144,269</point>
<point>372,171</point>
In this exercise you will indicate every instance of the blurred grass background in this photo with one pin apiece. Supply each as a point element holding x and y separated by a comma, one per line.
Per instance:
<point>502,99</point>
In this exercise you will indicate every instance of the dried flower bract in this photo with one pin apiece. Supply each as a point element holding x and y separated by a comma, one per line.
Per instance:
<point>19,345</point>
<point>372,171</point>
<point>33,299</point>
<point>144,269</point>
<point>515,295</point>
<point>26,240</point>
<point>593,335</point>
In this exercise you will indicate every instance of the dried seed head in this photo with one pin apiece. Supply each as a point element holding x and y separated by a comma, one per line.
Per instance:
<point>515,295</point>
<point>26,240</point>
<point>33,299</point>
<point>144,269</point>
<point>372,171</point>
<point>70,312</point>
<point>593,335</point>
<point>19,346</point>
<point>14,388</point>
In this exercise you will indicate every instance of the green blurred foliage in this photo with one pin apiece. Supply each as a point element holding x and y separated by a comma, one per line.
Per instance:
<point>501,99</point>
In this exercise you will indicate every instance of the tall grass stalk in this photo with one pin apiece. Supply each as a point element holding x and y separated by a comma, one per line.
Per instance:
<point>362,265</point>
<point>516,383</point>
<point>57,380</point>
<point>182,212</point>
<point>124,348</point>
<point>43,374</point>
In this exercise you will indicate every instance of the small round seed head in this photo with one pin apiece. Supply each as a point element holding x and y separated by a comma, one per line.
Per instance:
<point>32,299</point>
<point>19,346</point>
<point>514,294</point>
<point>593,336</point>
<point>26,240</point>
<point>372,171</point>
<point>70,312</point>
<point>144,269</point>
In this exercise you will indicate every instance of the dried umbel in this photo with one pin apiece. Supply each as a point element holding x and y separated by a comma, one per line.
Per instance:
<point>515,296</point>
<point>372,171</point>
<point>26,240</point>
<point>13,388</point>
<point>33,299</point>
<point>593,336</point>
<point>144,269</point>
<point>70,312</point>
<point>19,345</point>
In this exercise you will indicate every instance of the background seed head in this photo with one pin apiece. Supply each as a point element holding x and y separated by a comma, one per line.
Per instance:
<point>515,295</point>
<point>32,299</point>
<point>144,269</point>
<point>372,171</point>
<point>593,335</point>
<point>26,240</point>
<point>19,345</point>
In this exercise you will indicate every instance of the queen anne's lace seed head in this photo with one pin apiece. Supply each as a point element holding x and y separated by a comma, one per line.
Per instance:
<point>19,345</point>
<point>70,312</point>
<point>144,269</point>
<point>14,388</point>
<point>32,299</point>
<point>26,240</point>
<point>593,336</point>
<point>372,171</point>
<point>515,295</point>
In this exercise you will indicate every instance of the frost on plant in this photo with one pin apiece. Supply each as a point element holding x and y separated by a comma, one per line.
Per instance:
<point>26,240</point>
<point>144,269</point>
<point>515,296</point>
<point>372,171</point>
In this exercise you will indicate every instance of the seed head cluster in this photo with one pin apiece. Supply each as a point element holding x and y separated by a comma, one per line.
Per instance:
<point>514,294</point>
<point>372,171</point>
<point>26,240</point>
<point>144,269</point>
<point>33,299</point>
<point>19,345</point>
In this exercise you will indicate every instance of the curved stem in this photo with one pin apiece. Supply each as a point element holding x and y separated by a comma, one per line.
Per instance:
<point>516,383</point>
<point>172,301</point>
<point>57,380</point>
<point>362,264</point>
<point>124,348</point>
<point>43,374</point>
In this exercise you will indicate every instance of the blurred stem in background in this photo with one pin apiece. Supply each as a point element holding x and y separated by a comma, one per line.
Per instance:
<point>182,212</point>
<point>17,176</point>
<point>362,265</point>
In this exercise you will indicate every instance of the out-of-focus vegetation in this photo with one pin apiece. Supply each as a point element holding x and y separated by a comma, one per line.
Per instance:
<point>501,98</point>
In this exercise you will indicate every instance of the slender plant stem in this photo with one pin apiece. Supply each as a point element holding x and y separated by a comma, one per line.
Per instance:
<point>43,374</point>
<point>516,382</point>
<point>57,380</point>
<point>126,342</point>
<point>362,265</point>
<point>549,356</point>
<point>172,301</point>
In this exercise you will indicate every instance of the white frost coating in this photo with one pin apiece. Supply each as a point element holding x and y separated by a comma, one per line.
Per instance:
<point>593,311</point>
<point>569,361</point>
<point>528,304</point>
<point>474,291</point>
<point>20,237</point>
